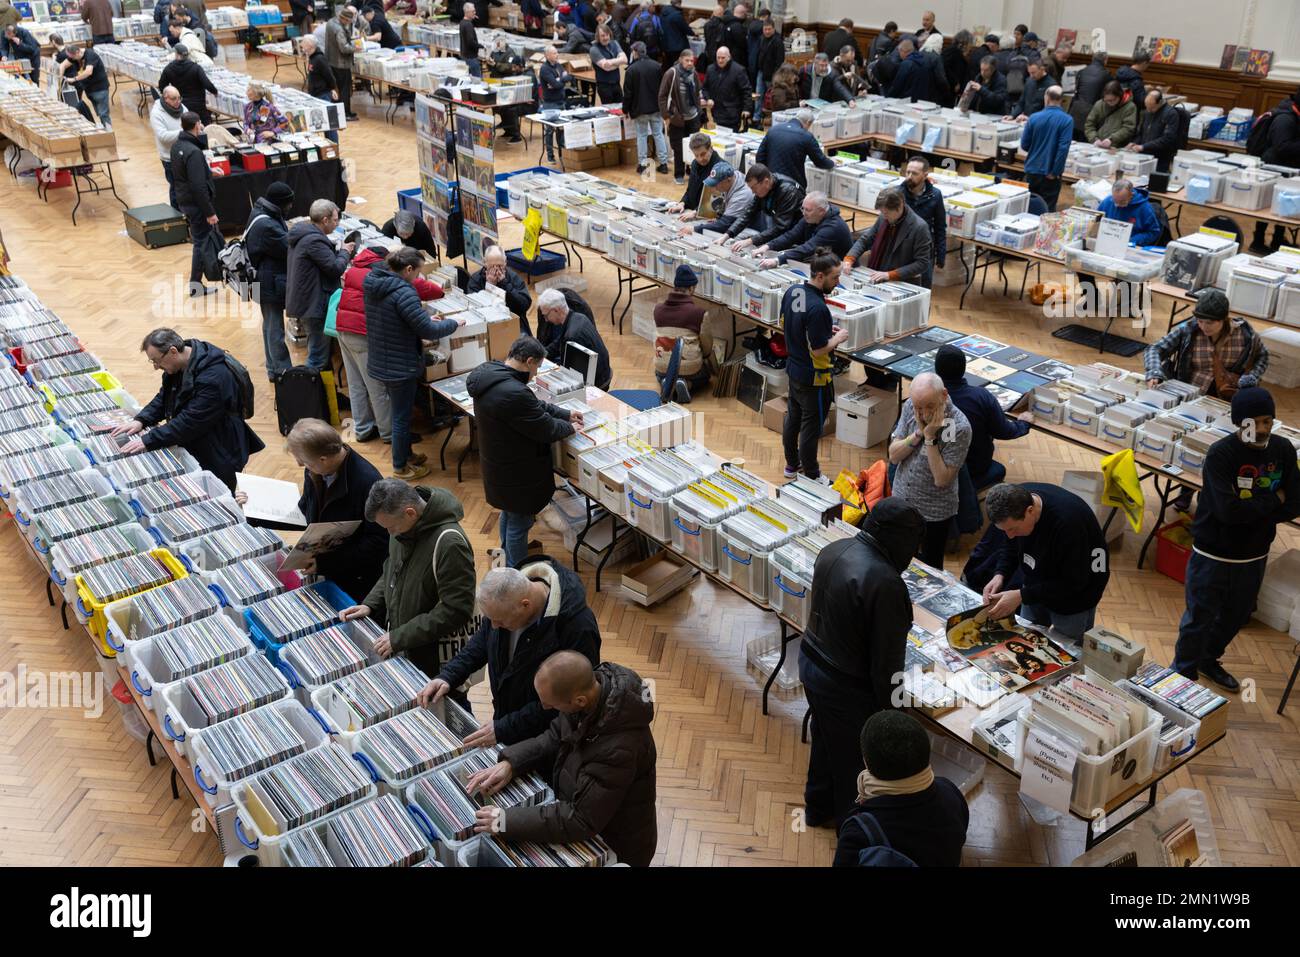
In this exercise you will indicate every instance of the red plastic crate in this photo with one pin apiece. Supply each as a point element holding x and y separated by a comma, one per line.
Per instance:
<point>1171,558</point>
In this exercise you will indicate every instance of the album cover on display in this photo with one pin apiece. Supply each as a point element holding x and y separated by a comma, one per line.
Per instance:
<point>1016,357</point>
<point>975,346</point>
<point>1052,369</point>
<point>913,366</point>
<point>1013,656</point>
<point>1023,382</point>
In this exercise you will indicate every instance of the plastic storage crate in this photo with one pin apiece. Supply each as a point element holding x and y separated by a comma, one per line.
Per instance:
<point>91,610</point>
<point>396,780</point>
<point>360,633</point>
<point>23,510</point>
<point>1171,556</point>
<point>147,670</point>
<point>121,628</point>
<point>333,595</point>
<point>181,715</point>
<point>40,532</point>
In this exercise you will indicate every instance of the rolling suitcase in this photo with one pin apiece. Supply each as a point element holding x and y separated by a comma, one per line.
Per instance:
<point>154,226</point>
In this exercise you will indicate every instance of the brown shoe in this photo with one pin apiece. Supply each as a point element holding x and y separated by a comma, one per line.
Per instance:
<point>411,472</point>
<point>417,458</point>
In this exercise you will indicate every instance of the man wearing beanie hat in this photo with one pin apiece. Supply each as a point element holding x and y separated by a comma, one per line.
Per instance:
<point>901,804</point>
<point>1250,483</point>
<point>987,421</point>
<point>679,316</point>
<point>267,246</point>
<point>853,648</point>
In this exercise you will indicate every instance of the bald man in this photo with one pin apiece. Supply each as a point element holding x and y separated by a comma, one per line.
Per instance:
<point>929,447</point>
<point>496,273</point>
<point>598,754</point>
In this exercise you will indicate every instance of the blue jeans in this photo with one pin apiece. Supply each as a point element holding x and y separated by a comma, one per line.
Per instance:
<point>99,98</point>
<point>278,360</point>
<point>647,126</point>
<point>402,397</point>
<point>171,184</point>
<point>1220,599</point>
<point>760,87</point>
<point>1073,625</point>
<point>514,535</point>
<point>475,66</point>
<point>318,344</point>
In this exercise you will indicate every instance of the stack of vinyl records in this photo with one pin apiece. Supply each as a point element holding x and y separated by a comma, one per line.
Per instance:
<point>45,494</point>
<point>444,795</point>
<point>20,470</point>
<point>191,521</point>
<point>21,418</point>
<point>410,743</point>
<point>377,833</point>
<point>382,690</point>
<point>50,348</point>
<point>170,606</point>
<point>251,742</point>
<point>133,471</point>
<point>171,493</point>
<point>125,576</point>
<point>294,614</point>
<point>324,656</point>
<point>69,521</point>
<point>18,398</point>
<point>198,646</point>
<point>95,403</point>
<point>24,443</point>
<point>247,582</point>
<point>305,848</point>
<point>312,785</point>
<point>72,385</point>
<point>74,364</point>
<point>240,542</point>
<point>234,688</point>
<point>96,548</point>
<point>593,853</point>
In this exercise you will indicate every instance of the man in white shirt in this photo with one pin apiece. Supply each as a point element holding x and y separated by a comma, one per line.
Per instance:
<point>165,118</point>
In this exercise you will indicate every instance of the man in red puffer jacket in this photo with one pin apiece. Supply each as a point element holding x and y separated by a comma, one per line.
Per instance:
<point>371,414</point>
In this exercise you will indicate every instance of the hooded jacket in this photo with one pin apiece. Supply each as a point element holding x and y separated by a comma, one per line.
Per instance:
<point>396,325</point>
<point>910,256</point>
<point>518,299</point>
<point>266,241</point>
<point>860,612</point>
<point>786,149</point>
<point>358,563</point>
<point>991,98</point>
<point>515,433</point>
<point>1158,134</point>
<point>192,175</point>
<point>1131,80</point>
<point>566,624</point>
<point>1139,212</point>
<point>675,31</point>
<point>1088,87</point>
<point>1117,123</point>
<point>352,304</point>
<point>602,767</point>
<point>579,328</point>
<point>314,271</point>
<point>783,205</point>
<point>200,406</point>
<point>426,589</point>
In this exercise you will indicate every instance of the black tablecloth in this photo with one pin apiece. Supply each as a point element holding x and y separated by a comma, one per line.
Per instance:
<point>237,192</point>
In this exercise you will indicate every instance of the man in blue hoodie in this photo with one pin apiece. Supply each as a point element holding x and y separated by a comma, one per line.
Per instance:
<point>1046,142</point>
<point>1130,206</point>
<point>820,226</point>
<point>912,80</point>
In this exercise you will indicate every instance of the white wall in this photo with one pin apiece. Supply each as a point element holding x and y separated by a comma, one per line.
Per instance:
<point>1203,26</point>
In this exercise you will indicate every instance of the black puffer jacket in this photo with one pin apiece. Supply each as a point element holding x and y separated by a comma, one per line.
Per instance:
<point>783,205</point>
<point>315,269</point>
<point>1088,87</point>
<point>861,612</point>
<point>266,240</point>
<point>396,324</point>
<point>515,433</point>
<point>602,766</point>
<point>641,83</point>
<point>567,624</point>
<point>1158,134</point>
<point>193,176</point>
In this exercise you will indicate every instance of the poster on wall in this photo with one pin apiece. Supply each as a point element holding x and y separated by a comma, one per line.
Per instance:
<point>1229,54</point>
<point>1066,36</point>
<point>1258,63</point>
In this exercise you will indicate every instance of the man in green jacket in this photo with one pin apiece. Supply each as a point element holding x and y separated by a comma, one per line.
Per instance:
<point>1113,119</point>
<point>426,593</point>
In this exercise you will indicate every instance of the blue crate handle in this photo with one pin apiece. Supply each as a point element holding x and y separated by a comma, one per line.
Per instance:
<point>31,381</point>
<point>90,455</point>
<point>185,563</point>
<point>631,497</point>
<point>1179,754</point>
<point>290,675</point>
<point>155,535</point>
<point>137,508</point>
<point>57,578</point>
<point>13,361</point>
<point>239,833</point>
<point>4,493</point>
<point>320,720</point>
<point>422,822</point>
<point>198,779</point>
<point>81,607</point>
<point>40,546</point>
<point>20,519</point>
<point>219,592</point>
<point>366,763</point>
<point>678,523</point>
<point>135,680</point>
<point>108,635</point>
<point>735,558</point>
<point>787,589</point>
<point>171,732</point>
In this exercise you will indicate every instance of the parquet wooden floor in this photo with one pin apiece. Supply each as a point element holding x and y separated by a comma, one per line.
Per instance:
<point>80,791</point>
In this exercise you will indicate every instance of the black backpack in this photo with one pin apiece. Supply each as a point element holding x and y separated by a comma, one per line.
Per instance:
<point>300,394</point>
<point>243,386</point>
<point>1257,141</point>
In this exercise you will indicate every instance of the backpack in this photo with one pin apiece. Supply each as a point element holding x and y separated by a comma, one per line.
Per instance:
<point>239,273</point>
<point>210,45</point>
<point>647,31</point>
<point>300,394</point>
<point>881,853</point>
<point>1257,141</point>
<point>1184,126</point>
<point>243,386</point>
<point>1162,217</point>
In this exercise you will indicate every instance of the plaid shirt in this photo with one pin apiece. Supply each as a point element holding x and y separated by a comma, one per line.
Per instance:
<point>1187,354</point>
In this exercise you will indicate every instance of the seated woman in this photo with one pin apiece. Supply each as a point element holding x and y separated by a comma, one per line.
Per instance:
<point>263,120</point>
<point>335,484</point>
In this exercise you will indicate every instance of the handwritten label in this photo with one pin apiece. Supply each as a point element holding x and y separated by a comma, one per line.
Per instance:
<point>1047,774</point>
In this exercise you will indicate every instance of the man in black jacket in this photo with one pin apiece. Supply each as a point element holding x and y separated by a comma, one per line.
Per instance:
<point>727,92</point>
<point>769,53</point>
<point>191,80</point>
<point>884,41</point>
<point>529,614</point>
<point>195,193</point>
<point>314,270</point>
<point>494,271</point>
<point>378,29</point>
<point>738,35</point>
<point>1036,85</point>
<point>559,325</point>
<point>266,241</point>
<point>551,81</point>
<point>515,433</point>
<point>988,91</point>
<point>821,226</point>
<point>469,41</point>
<point>1131,77</point>
<point>977,54</point>
<point>1055,536</point>
<point>200,403</point>
<point>1159,131</point>
<point>412,231</point>
<point>839,38</point>
<point>817,81</point>
<point>853,648</point>
<point>1088,86</point>
<point>924,199</point>
<point>777,204</point>
<point>715,32</point>
<point>641,82</point>
<point>788,146</point>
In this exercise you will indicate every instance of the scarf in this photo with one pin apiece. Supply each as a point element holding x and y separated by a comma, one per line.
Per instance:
<point>869,786</point>
<point>174,114</point>
<point>884,238</point>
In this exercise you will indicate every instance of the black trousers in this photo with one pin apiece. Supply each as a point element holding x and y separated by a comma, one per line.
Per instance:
<point>199,229</point>
<point>344,80</point>
<point>805,415</point>
<point>840,707</point>
<point>675,136</point>
<point>933,541</point>
<point>610,92</point>
<point>1049,190</point>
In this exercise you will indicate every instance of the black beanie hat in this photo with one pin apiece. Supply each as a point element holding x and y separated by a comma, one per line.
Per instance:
<point>1251,403</point>
<point>894,745</point>
<point>949,363</point>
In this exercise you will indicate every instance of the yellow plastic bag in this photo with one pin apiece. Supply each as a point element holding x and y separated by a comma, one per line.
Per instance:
<point>846,483</point>
<point>1123,487</point>
<point>532,234</point>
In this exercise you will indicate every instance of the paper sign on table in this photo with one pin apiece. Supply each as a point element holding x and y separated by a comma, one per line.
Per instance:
<point>1048,771</point>
<point>1112,238</point>
<point>608,129</point>
<point>578,135</point>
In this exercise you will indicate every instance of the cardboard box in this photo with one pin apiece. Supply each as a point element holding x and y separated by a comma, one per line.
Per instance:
<point>774,416</point>
<point>582,160</point>
<point>658,577</point>
<point>627,153</point>
<point>610,155</point>
<point>501,335</point>
<point>866,416</point>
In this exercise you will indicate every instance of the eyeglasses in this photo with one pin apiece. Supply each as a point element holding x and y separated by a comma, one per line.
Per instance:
<point>156,361</point>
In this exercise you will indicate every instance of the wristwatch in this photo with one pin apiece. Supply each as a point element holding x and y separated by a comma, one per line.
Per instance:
<point>931,441</point>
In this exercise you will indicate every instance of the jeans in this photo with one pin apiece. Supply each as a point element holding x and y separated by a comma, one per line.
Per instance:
<point>171,184</point>
<point>401,396</point>
<point>760,87</point>
<point>199,229</point>
<point>370,408</point>
<point>99,98</point>
<point>1047,189</point>
<point>840,707</point>
<point>805,414</point>
<point>514,536</point>
<point>1073,624</point>
<point>278,360</point>
<point>475,66</point>
<point>318,344</point>
<point>550,111</point>
<point>647,126</point>
<point>332,135</point>
<point>675,136</point>
<point>1220,599</point>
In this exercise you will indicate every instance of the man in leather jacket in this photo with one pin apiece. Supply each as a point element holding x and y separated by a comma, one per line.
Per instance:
<point>777,206</point>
